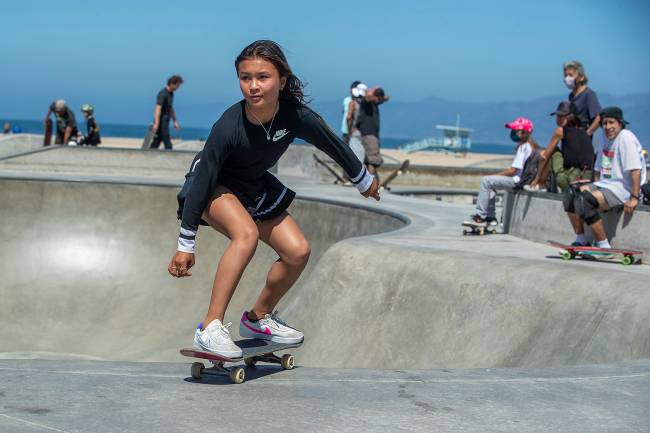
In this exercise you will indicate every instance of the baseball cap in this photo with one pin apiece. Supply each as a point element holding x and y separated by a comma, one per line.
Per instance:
<point>360,90</point>
<point>564,108</point>
<point>613,112</point>
<point>520,123</point>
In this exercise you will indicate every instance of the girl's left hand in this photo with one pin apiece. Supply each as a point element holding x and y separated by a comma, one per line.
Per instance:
<point>373,191</point>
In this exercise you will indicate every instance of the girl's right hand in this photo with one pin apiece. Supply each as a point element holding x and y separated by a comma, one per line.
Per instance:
<point>373,191</point>
<point>181,264</point>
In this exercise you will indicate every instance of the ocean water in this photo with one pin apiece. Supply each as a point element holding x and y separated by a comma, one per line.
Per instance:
<point>138,131</point>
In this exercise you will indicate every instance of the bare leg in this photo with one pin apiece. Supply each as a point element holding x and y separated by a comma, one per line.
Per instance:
<point>285,237</point>
<point>576,223</point>
<point>226,214</point>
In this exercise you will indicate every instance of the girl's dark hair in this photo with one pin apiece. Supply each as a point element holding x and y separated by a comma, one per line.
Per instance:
<point>271,52</point>
<point>572,120</point>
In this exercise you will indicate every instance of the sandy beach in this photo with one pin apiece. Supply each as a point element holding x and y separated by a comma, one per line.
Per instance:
<point>390,155</point>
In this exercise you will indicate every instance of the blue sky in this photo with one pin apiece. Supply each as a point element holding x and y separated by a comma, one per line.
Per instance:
<point>118,56</point>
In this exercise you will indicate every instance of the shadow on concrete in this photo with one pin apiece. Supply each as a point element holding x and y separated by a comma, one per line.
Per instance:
<point>252,373</point>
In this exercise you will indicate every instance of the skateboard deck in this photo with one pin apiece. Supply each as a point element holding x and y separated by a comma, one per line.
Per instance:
<point>253,351</point>
<point>478,229</point>
<point>570,252</point>
<point>339,179</point>
<point>148,138</point>
<point>399,171</point>
<point>47,138</point>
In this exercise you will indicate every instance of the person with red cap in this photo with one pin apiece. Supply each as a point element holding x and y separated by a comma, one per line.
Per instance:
<point>521,132</point>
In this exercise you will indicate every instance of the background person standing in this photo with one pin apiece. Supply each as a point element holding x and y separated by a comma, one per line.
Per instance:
<point>164,111</point>
<point>368,124</point>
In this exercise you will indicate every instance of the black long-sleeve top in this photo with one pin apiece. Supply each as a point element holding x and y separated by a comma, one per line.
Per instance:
<point>238,153</point>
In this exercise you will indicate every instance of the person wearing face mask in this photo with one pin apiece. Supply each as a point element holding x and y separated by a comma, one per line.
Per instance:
<point>620,170</point>
<point>584,99</point>
<point>521,132</point>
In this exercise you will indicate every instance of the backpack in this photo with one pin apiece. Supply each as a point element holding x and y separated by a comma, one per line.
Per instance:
<point>645,192</point>
<point>529,172</point>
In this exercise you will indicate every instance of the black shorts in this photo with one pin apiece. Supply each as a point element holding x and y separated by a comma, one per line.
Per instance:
<point>273,199</point>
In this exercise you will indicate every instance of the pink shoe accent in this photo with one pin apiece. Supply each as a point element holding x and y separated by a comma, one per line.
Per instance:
<point>244,319</point>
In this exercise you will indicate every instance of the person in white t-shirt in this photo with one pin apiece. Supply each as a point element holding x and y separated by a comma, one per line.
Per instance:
<point>521,132</point>
<point>620,170</point>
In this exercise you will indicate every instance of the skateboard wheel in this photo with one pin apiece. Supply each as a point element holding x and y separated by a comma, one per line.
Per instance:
<point>481,232</point>
<point>566,255</point>
<point>197,370</point>
<point>237,375</point>
<point>250,362</point>
<point>627,260</point>
<point>287,362</point>
<point>465,232</point>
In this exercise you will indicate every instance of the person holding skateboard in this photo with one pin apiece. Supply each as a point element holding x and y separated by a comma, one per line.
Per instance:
<point>368,124</point>
<point>66,125</point>
<point>229,188</point>
<point>619,172</point>
<point>521,132</point>
<point>164,111</point>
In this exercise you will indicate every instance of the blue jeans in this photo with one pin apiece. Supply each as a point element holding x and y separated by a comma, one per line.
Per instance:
<point>487,195</point>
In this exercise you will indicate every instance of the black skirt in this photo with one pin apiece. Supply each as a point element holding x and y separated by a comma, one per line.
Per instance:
<point>273,199</point>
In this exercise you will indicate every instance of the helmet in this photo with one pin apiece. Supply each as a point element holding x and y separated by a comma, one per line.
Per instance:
<point>87,108</point>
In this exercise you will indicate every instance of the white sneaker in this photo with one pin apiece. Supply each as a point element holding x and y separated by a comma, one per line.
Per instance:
<point>270,327</point>
<point>216,338</point>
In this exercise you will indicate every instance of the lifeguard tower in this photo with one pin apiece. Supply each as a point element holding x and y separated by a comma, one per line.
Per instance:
<point>454,139</point>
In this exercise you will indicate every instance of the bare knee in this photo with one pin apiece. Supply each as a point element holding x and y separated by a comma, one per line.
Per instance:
<point>299,254</point>
<point>245,237</point>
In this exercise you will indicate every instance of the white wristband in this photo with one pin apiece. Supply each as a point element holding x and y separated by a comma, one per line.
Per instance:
<point>365,182</point>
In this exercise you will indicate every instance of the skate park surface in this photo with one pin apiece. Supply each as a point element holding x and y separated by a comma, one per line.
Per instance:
<point>410,326</point>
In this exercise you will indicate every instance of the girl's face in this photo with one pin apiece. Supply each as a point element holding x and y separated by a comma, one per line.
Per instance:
<point>560,120</point>
<point>260,83</point>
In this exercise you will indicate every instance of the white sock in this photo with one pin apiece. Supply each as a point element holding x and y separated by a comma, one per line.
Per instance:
<point>581,239</point>
<point>603,244</point>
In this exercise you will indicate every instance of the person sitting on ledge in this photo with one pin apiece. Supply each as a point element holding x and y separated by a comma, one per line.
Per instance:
<point>521,132</point>
<point>619,172</point>
<point>569,152</point>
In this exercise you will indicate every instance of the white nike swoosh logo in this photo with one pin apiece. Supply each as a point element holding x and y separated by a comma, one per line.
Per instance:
<point>279,135</point>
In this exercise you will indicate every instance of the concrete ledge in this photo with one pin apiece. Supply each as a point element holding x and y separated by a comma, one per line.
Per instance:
<point>540,217</point>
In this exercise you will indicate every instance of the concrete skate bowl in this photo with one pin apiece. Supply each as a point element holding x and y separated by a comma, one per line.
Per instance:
<point>84,268</point>
<point>84,276</point>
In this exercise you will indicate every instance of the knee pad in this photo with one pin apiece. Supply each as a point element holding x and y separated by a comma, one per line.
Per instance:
<point>586,206</point>
<point>568,199</point>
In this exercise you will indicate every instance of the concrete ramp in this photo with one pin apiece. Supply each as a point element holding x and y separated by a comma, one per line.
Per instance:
<point>84,268</point>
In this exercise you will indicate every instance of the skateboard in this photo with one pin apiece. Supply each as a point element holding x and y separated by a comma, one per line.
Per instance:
<point>148,138</point>
<point>478,229</point>
<point>339,179</point>
<point>47,139</point>
<point>254,351</point>
<point>569,252</point>
<point>400,170</point>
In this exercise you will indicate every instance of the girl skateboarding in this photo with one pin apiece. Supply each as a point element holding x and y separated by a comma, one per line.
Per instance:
<point>229,188</point>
